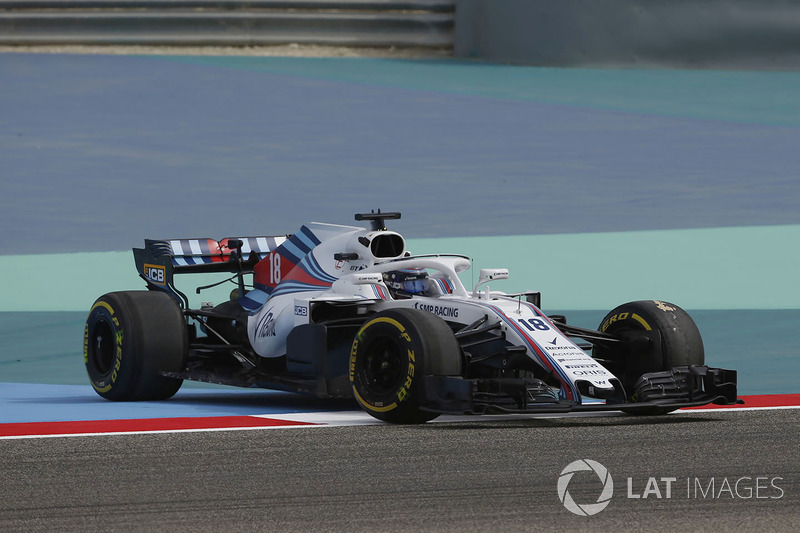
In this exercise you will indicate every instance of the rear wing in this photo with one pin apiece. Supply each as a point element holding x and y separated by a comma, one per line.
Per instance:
<point>159,260</point>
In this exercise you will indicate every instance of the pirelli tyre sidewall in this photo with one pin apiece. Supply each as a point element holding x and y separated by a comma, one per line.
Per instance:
<point>680,340</point>
<point>129,338</point>
<point>391,354</point>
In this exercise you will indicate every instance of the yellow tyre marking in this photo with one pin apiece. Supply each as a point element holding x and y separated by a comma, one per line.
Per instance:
<point>388,320</point>
<point>118,338</point>
<point>361,400</point>
<point>98,389</point>
<point>372,407</point>
<point>86,343</point>
<point>641,321</point>
<point>102,304</point>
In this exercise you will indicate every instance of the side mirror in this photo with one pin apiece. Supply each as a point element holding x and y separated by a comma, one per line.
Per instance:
<point>490,274</point>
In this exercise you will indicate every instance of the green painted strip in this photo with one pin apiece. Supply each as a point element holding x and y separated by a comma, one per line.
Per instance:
<point>720,268</point>
<point>762,97</point>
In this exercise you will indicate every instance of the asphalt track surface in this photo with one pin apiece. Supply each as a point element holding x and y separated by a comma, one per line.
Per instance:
<point>462,476</point>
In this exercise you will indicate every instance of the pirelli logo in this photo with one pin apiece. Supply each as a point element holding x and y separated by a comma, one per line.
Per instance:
<point>155,274</point>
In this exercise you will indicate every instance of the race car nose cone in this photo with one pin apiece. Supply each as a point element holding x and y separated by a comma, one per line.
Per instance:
<point>587,388</point>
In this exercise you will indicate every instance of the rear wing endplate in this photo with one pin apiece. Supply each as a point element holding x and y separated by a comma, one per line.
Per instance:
<point>159,260</point>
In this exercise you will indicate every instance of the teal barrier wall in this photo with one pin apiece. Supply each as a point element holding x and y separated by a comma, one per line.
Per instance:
<point>720,268</point>
<point>47,347</point>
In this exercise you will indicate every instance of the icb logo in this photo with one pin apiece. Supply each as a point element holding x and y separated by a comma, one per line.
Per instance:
<point>585,509</point>
<point>155,273</point>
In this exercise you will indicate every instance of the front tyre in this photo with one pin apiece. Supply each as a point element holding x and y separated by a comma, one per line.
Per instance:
<point>391,354</point>
<point>130,338</point>
<point>661,336</point>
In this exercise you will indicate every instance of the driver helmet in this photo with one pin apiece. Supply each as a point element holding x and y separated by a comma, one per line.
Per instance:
<point>407,281</point>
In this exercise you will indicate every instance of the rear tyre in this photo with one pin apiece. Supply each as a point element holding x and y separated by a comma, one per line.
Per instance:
<point>391,354</point>
<point>129,339</point>
<point>677,342</point>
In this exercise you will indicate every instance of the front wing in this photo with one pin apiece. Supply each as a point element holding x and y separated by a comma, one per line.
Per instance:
<point>656,393</point>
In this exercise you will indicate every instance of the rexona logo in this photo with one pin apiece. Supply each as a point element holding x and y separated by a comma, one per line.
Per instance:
<point>606,492</point>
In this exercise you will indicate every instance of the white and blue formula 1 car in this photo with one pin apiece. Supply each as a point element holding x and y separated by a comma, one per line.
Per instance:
<point>342,311</point>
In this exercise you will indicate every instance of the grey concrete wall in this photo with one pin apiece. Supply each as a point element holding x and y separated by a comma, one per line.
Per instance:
<point>700,33</point>
<point>356,23</point>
